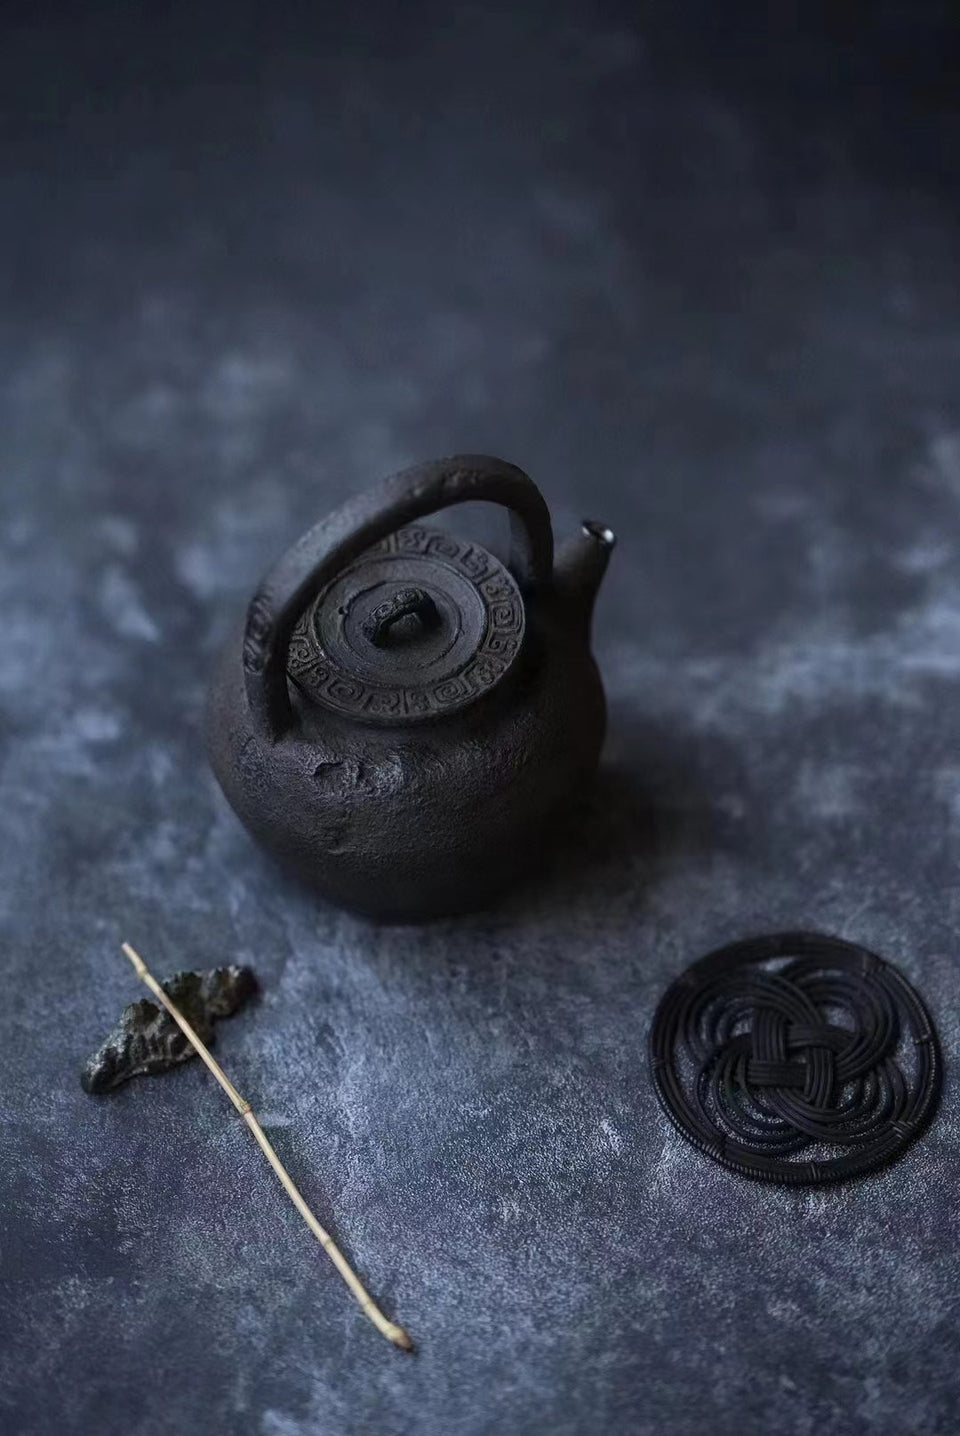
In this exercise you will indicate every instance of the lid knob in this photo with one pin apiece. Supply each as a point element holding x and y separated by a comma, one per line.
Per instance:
<point>274,642</point>
<point>405,603</point>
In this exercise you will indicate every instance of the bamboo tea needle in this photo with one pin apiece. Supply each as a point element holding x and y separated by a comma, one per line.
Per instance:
<point>390,1329</point>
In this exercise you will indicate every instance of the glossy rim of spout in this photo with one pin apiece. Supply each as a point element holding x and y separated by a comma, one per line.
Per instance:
<point>599,531</point>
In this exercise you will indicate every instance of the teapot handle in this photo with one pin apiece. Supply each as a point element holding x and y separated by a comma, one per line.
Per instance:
<point>335,542</point>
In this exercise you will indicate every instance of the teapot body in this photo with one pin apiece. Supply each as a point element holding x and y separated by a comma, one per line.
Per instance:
<point>430,821</point>
<point>402,720</point>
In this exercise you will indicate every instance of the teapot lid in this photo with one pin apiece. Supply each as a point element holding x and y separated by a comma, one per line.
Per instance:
<point>420,626</point>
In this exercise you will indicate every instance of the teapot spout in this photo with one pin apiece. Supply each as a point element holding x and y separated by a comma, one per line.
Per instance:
<point>580,565</point>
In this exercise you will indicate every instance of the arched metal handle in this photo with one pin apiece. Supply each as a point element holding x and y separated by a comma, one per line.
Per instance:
<point>334,543</point>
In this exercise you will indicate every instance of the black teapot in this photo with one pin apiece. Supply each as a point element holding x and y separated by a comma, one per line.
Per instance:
<point>403,718</point>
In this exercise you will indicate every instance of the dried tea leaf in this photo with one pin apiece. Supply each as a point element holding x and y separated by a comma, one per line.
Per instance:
<point>147,1040</point>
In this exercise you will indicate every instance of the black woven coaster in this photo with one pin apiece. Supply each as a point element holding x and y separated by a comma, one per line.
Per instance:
<point>796,1058</point>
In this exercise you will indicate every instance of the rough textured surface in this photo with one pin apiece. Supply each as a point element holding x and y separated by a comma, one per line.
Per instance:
<point>407,821</point>
<point>146,1041</point>
<point>701,280</point>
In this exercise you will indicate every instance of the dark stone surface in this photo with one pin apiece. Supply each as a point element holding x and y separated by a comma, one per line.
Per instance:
<point>700,279</point>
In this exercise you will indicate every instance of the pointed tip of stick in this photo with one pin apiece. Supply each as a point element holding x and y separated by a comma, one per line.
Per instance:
<point>134,956</point>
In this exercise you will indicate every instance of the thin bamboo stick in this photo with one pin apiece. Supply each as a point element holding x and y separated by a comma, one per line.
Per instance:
<point>390,1329</point>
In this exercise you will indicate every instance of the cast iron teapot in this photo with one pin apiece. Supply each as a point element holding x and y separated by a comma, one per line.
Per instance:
<point>402,718</point>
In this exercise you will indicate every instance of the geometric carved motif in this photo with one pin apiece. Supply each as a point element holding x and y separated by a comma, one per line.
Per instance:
<point>324,680</point>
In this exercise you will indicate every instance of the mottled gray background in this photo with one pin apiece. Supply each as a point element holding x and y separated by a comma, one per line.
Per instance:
<point>699,276</point>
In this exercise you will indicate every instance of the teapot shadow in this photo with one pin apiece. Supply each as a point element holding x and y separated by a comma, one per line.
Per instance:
<point>643,816</point>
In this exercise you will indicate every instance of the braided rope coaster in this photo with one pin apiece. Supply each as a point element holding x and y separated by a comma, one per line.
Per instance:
<point>796,1058</point>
